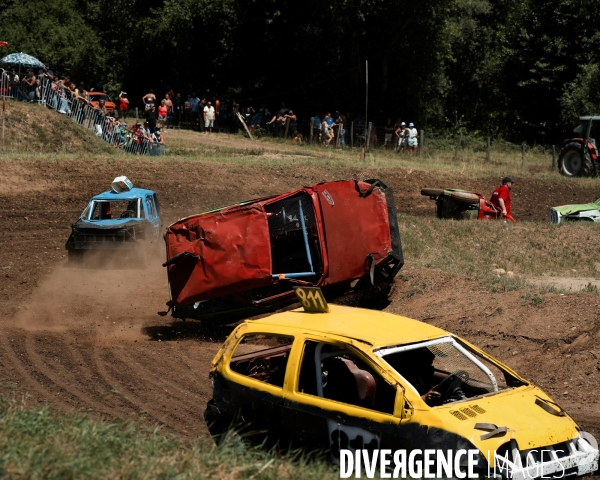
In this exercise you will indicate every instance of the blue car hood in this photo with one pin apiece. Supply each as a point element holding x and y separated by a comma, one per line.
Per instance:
<point>108,224</point>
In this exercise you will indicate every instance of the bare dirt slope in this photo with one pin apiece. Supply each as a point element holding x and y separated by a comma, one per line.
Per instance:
<point>90,339</point>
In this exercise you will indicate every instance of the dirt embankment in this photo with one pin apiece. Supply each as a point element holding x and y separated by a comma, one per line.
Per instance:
<point>34,128</point>
<point>90,339</point>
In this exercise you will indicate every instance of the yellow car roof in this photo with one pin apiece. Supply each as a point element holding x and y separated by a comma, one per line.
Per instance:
<point>377,328</point>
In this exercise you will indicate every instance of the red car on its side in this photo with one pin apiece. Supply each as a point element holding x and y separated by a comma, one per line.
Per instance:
<point>245,259</point>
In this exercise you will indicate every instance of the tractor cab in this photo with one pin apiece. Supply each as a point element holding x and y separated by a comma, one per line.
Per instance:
<point>589,129</point>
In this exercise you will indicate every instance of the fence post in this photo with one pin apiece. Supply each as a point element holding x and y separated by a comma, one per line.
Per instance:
<point>487,154</point>
<point>339,132</point>
<point>369,134</point>
<point>137,118</point>
<point>522,154</point>
<point>310,133</point>
<point>458,146</point>
<point>553,157</point>
<point>287,127</point>
<point>351,135</point>
<point>421,140</point>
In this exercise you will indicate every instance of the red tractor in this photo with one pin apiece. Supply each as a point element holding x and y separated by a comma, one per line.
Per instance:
<point>579,156</point>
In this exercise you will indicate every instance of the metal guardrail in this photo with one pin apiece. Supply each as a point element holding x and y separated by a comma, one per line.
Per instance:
<point>79,110</point>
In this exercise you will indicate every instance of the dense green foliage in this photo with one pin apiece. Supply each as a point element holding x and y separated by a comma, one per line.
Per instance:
<point>518,69</point>
<point>39,444</point>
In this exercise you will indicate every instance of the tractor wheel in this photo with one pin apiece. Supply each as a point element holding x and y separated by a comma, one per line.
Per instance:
<point>465,197</point>
<point>572,162</point>
<point>431,192</point>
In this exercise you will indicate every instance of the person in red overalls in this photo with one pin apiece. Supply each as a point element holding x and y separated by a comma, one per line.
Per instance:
<point>501,197</point>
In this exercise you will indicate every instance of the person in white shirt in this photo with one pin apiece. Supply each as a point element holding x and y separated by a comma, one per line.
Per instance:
<point>209,117</point>
<point>413,141</point>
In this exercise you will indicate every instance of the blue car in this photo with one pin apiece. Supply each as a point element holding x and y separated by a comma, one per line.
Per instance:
<point>122,219</point>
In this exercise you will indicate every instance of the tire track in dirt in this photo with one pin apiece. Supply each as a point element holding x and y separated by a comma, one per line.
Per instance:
<point>61,381</point>
<point>146,406</point>
<point>182,403</point>
<point>24,375</point>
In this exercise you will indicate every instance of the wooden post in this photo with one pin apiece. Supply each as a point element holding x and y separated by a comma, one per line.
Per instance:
<point>421,140</point>
<point>458,146</point>
<point>487,154</point>
<point>522,154</point>
<point>553,157</point>
<point>287,127</point>
<point>244,124</point>
<point>137,118</point>
<point>351,135</point>
<point>310,134</point>
<point>369,134</point>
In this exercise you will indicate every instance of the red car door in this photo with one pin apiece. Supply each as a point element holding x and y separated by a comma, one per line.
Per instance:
<point>227,252</point>
<point>355,226</point>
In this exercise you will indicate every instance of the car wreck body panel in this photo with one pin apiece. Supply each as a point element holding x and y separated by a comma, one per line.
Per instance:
<point>585,212</point>
<point>305,379</point>
<point>229,250</point>
<point>350,232</point>
<point>244,259</point>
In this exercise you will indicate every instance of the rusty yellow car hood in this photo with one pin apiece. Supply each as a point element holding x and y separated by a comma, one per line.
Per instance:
<point>526,422</point>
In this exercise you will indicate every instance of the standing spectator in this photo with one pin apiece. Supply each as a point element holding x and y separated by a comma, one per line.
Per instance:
<point>177,109</point>
<point>148,99</point>
<point>217,106</point>
<point>329,118</point>
<point>169,105</point>
<point>326,130</point>
<point>151,117</point>
<point>389,132</point>
<point>195,104</point>
<point>29,83</point>
<point>209,117</point>
<point>101,107</point>
<point>187,110</point>
<point>341,122</point>
<point>401,136</point>
<point>123,104</point>
<point>293,126</point>
<point>13,85</point>
<point>317,127</point>
<point>275,124</point>
<point>413,140</point>
<point>162,114</point>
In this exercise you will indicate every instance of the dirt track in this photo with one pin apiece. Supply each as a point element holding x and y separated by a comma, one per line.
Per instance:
<point>90,339</point>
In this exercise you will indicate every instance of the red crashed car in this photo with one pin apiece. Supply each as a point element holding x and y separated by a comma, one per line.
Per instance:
<point>245,259</point>
<point>460,204</point>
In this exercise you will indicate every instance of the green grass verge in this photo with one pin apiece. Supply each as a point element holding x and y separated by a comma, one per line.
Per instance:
<point>476,247</point>
<point>36,443</point>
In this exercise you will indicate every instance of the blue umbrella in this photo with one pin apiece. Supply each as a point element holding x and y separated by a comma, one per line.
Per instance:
<point>22,60</point>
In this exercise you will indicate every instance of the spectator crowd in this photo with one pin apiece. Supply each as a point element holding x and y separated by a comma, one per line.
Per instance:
<point>90,109</point>
<point>205,113</point>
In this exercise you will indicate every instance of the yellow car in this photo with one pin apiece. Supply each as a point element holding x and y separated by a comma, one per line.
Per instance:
<point>349,379</point>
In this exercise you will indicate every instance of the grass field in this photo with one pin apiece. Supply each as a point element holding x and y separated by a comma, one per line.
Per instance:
<point>34,132</point>
<point>475,248</point>
<point>36,443</point>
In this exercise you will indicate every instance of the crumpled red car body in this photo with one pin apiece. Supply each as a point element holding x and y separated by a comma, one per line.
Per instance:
<point>253,253</point>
